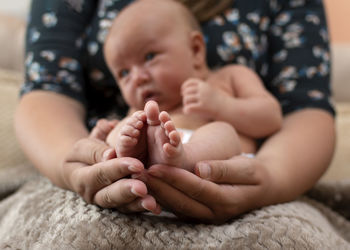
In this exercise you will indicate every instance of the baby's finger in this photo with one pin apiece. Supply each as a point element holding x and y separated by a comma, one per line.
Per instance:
<point>188,99</point>
<point>120,193</point>
<point>190,82</point>
<point>192,108</point>
<point>189,90</point>
<point>237,170</point>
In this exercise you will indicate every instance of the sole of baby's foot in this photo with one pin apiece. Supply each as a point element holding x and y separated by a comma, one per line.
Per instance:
<point>163,141</point>
<point>131,141</point>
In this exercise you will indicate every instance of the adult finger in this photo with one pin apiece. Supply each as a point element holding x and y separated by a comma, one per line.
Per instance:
<point>88,180</point>
<point>194,187</point>
<point>147,203</point>
<point>237,170</point>
<point>120,193</point>
<point>177,201</point>
<point>90,151</point>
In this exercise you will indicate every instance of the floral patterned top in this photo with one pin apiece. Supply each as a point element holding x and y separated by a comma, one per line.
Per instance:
<point>284,41</point>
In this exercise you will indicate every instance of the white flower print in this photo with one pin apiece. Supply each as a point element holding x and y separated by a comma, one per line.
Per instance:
<point>49,19</point>
<point>264,23</point>
<point>280,56</point>
<point>283,18</point>
<point>48,55</point>
<point>316,94</point>
<point>68,63</point>
<point>232,16</point>
<point>297,3</point>
<point>287,86</point>
<point>254,17</point>
<point>29,58</point>
<point>34,35</point>
<point>218,20</point>
<point>312,18</point>
<point>93,48</point>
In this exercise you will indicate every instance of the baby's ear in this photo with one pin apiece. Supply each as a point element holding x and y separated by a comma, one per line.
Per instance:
<point>198,48</point>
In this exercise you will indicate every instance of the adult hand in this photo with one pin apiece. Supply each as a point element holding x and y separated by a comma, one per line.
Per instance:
<point>92,171</point>
<point>220,190</point>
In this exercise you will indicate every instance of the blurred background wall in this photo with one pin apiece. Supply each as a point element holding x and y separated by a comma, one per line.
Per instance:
<point>16,8</point>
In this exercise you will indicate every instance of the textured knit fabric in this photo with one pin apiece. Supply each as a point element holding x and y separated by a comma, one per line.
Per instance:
<point>285,42</point>
<point>53,218</point>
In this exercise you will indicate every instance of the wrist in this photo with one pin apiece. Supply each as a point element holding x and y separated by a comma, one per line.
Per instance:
<point>220,103</point>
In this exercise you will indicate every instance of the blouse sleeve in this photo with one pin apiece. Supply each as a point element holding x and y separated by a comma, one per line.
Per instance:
<point>54,42</point>
<point>299,63</point>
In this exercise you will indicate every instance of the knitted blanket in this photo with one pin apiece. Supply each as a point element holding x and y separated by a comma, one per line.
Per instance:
<point>34,214</point>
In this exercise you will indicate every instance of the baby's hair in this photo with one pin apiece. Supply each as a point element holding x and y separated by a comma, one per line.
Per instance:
<point>187,13</point>
<point>189,16</point>
<point>203,10</point>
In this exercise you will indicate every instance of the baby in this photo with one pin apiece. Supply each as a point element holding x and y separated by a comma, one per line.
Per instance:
<point>156,52</point>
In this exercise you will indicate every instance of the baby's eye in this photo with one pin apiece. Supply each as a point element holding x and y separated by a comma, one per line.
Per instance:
<point>123,73</point>
<point>149,56</point>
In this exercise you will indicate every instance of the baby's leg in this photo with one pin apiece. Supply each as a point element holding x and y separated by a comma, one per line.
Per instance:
<point>130,137</point>
<point>164,142</point>
<point>213,141</point>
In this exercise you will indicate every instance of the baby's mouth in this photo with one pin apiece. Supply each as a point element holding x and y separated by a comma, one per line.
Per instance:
<point>149,95</point>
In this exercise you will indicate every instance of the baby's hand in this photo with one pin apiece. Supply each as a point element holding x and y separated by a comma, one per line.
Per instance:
<point>200,98</point>
<point>102,129</point>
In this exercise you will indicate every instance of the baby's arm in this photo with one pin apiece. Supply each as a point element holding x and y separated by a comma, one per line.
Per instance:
<point>254,111</point>
<point>234,94</point>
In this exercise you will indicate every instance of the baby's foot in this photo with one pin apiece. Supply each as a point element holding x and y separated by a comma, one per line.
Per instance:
<point>164,142</point>
<point>131,141</point>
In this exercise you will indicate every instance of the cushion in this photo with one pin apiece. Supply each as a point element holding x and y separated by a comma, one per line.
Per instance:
<point>12,31</point>
<point>10,154</point>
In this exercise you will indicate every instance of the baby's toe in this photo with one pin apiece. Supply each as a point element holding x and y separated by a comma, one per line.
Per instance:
<point>152,113</point>
<point>174,138</point>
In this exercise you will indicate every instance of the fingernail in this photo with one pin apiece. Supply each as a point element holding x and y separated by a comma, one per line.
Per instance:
<point>106,155</point>
<point>143,204</point>
<point>135,192</point>
<point>134,168</point>
<point>204,170</point>
<point>155,173</point>
<point>140,177</point>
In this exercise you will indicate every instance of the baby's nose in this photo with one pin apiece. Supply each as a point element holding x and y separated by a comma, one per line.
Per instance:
<point>140,76</point>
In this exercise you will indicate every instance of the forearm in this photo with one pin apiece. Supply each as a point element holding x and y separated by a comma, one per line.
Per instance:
<point>298,155</point>
<point>47,125</point>
<point>255,117</point>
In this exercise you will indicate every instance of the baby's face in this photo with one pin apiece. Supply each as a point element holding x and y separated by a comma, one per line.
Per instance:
<point>150,59</point>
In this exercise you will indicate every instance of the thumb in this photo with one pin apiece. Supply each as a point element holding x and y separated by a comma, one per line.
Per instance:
<point>90,151</point>
<point>237,170</point>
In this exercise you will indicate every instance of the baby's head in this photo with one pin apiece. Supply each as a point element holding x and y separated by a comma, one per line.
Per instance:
<point>152,48</point>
